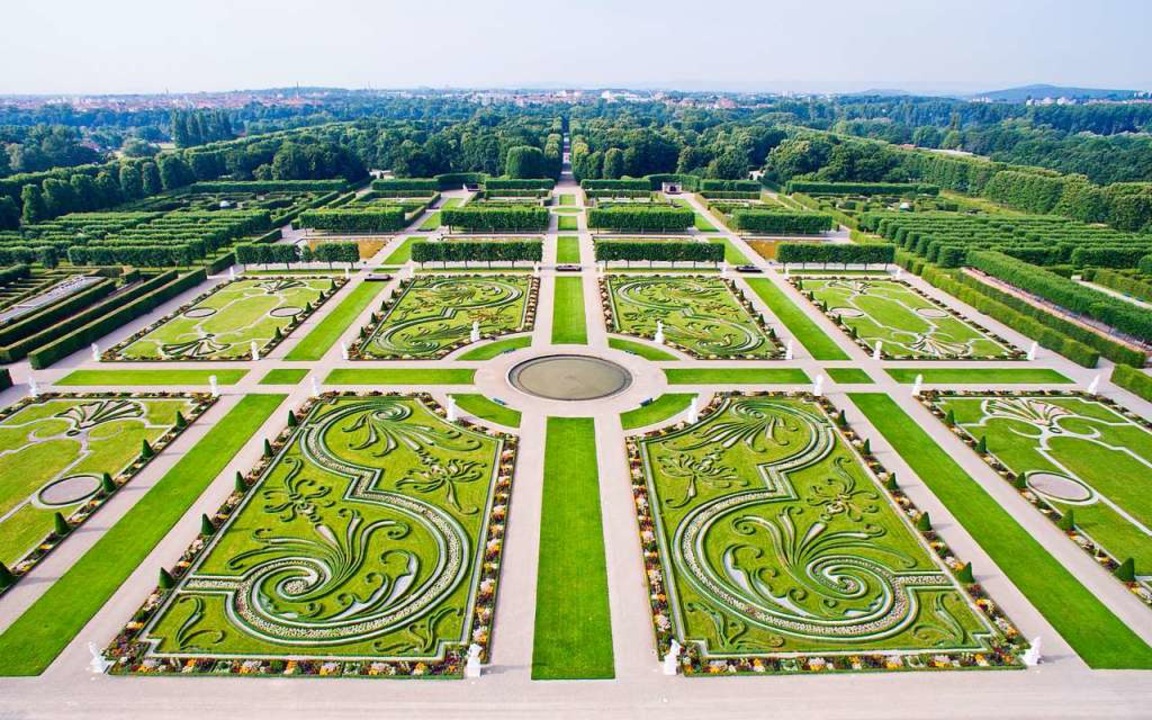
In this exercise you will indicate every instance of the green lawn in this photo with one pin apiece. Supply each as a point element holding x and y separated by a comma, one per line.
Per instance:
<point>328,331</point>
<point>284,376</point>
<point>573,630</point>
<point>568,249</point>
<point>644,351</point>
<point>485,409</point>
<point>703,225</point>
<point>662,408</point>
<point>737,376</point>
<point>399,376</point>
<point>732,255</point>
<point>568,324</point>
<point>978,376</point>
<point>848,375</point>
<point>34,640</point>
<point>497,347</point>
<point>806,332</point>
<point>430,223</point>
<point>567,200</point>
<point>1098,636</point>
<point>403,253</point>
<point>151,377</point>
<point>567,222</point>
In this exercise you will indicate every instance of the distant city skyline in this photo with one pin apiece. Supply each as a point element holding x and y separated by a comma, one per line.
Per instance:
<point>132,46</point>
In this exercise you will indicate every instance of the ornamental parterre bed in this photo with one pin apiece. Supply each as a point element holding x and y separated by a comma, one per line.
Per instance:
<point>368,544</point>
<point>775,542</point>
<point>1084,461</point>
<point>707,317</point>
<point>430,316</point>
<point>223,323</point>
<point>914,324</point>
<point>68,453</point>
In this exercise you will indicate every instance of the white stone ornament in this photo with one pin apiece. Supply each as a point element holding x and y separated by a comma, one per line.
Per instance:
<point>213,386</point>
<point>472,667</point>
<point>231,273</point>
<point>1032,655</point>
<point>694,410</point>
<point>659,332</point>
<point>788,350</point>
<point>899,273</point>
<point>98,665</point>
<point>33,387</point>
<point>672,659</point>
<point>724,270</point>
<point>315,387</point>
<point>917,385</point>
<point>1094,386</point>
<point>475,335</point>
<point>877,352</point>
<point>344,350</point>
<point>255,350</point>
<point>818,386</point>
<point>347,272</point>
<point>95,352</point>
<point>1032,350</point>
<point>451,408</point>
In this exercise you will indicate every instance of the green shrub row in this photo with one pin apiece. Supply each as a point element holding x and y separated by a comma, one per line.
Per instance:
<point>731,185</point>
<point>454,181</point>
<point>5,379</point>
<point>267,186</point>
<point>597,194</point>
<point>499,218</point>
<point>665,251</point>
<point>1133,380</point>
<point>50,315</point>
<point>356,219</point>
<point>621,184</point>
<point>11,274</point>
<point>730,194</point>
<point>406,184</point>
<point>838,253</point>
<point>113,318</point>
<point>489,252</point>
<point>1133,286</point>
<point>639,218</point>
<point>492,184</point>
<point>763,222</point>
<point>1065,293</point>
<point>860,188</point>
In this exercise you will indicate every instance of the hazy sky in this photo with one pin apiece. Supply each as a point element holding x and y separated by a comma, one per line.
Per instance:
<point>74,46</point>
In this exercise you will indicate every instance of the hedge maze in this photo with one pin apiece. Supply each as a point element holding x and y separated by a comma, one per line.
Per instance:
<point>369,545</point>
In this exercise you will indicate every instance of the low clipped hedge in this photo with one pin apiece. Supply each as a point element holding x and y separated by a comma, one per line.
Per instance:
<point>114,317</point>
<point>404,184</point>
<point>1133,381</point>
<point>621,184</point>
<point>10,275</point>
<point>489,219</point>
<point>356,220</point>
<point>639,219</point>
<point>453,181</point>
<point>5,379</point>
<point>731,185</point>
<point>1135,287</point>
<point>663,251</point>
<point>40,320</point>
<point>782,223</point>
<point>812,187</point>
<point>519,184</point>
<point>464,251</point>
<point>266,186</point>
<point>839,254</point>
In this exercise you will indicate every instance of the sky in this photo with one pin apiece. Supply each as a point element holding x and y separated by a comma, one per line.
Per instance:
<point>128,46</point>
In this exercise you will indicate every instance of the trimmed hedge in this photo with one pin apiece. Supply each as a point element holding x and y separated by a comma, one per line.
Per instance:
<point>5,379</point>
<point>266,186</point>
<point>1135,287</point>
<point>731,185</point>
<point>489,252</point>
<point>519,184</point>
<point>1133,381</point>
<point>488,219</point>
<point>10,275</point>
<point>46,317</point>
<point>1067,294</point>
<point>659,219</point>
<point>812,187</point>
<point>401,184</point>
<point>356,220</point>
<point>453,181</point>
<point>664,251</point>
<point>841,254</point>
<point>113,319</point>
<point>782,223</point>
<point>622,184</point>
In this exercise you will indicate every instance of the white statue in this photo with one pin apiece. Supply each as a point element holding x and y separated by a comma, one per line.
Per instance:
<point>231,272</point>
<point>95,352</point>
<point>659,332</point>
<point>451,407</point>
<point>917,384</point>
<point>1032,655</point>
<point>1094,385</point>
<point>255,350</point>
<point>472,667</point>
<point>694,409</point>
<point>672,659</point>
<point>344,350</point>
<point>315,387</point>
<point>536,268</point>
<point>348,272</point>
<point>1032,350</point>
<point>877,351</point>
<point>724,270</point>
<point>475,335</point>
<point>899,272</point>
<point>788,350</point>
<point>98,664</point>
<point>786,271</point>
<point>818,386</point>
<point>33,387</point>
<point>213,386</point>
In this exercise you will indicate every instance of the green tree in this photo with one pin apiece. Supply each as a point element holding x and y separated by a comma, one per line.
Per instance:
<point>613,164</point>
<point>33,207</point>
<point>525,161</point>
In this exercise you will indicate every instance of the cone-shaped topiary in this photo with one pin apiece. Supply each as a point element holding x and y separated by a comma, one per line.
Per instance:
<point>982,445</point>
<point>61,526</point>
<point>276,334</point>
<point>206,526</point>
<point>1020,482</point>
<point>167,582</point>
<point>107,484</point>
<point>924,522</point>
<point>180,421</point>
<point>890,484</point>
<point>241,485</point>
<point>841,419</point>
<point>6,576</point>
<point>292,421</point>
<point>964,574</point>
<point>1067,521</point>
<point>950,420</point>
<point>267,448</point>
<point>1127,571</point>
<point>867,446</point>
<point>146,451</point>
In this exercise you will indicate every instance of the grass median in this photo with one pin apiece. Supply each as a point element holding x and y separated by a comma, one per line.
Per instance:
<point>329,330</point>
<point>802,327</point>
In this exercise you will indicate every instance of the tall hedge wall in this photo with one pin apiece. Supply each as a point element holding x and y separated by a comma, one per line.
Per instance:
<point>640,219</point>
<point>356,220</point>
<point>829,253</point>
<point>525,218</point>
<point>782,223</point>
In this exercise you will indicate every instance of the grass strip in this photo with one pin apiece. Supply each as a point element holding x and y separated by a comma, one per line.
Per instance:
<point>284,376</point>
<point>703,225</point>
<point>151,377</point>
<point>802,327</point>
<point>737,376</point>
<point>485,409</point>
<point>402,254</point>
<point>400,376</point>
<point>662,408</point>
<point>978,376</point>
<point>1098,636</point>
<point>497,347</point>
<point>644,351</point>
<point>567,200</point>
<point>732,255</point>
<point>329,330</point>
<point>573,630</point>
<point>568,249</point>
<point>848,375</point>
<point>31,643</point>
<point>568,325</point>
<point>430,223</point>
<point>567,222</point>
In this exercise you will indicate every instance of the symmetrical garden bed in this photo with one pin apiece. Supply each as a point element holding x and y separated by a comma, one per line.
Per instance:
<point>67,454</point>
<point>705,316</point>
<point>433,315</point>
<point>223,323</point>
<point>1083,461</point>
<point>910,324</point>
<point>369,544</point>
<point>775,542</point>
